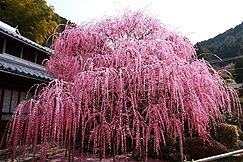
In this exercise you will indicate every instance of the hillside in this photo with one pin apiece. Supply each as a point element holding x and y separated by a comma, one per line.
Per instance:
<point>35,23</point>
<point>225,45</point>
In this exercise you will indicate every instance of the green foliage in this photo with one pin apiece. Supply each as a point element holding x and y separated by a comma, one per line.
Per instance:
<point>196,148</point>
<point>240,91</point>
<point>240,134</point>
<point>228,78</point>
<point>227,134</point>
<point>198,48</point>
<point>35,20</point>
<point>225,45</point>
<point>241,100</point>
<point>200,52</point>
<point>62,22</point>
<point>239,66</point>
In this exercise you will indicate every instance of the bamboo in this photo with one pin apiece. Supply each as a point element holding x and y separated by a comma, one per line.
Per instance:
<point>220,156</point>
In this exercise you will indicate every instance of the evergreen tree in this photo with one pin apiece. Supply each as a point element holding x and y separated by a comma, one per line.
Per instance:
<point>198,48</point>
<point>239,67</point>
<point>200,52</point>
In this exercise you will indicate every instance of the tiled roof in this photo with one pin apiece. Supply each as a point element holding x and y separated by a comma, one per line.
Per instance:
<point>22,38</point>
<point>24,70</point>
<point>18,66</point>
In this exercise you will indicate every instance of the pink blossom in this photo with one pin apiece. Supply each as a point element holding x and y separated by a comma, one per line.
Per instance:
<point>125,77</point>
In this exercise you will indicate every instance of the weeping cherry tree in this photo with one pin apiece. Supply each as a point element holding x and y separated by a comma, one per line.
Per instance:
<point>123,78</point>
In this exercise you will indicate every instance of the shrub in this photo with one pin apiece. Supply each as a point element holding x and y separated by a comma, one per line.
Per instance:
<point>228,135</point>
<point>197,148</point>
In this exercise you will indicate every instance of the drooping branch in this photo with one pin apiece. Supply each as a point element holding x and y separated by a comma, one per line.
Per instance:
<point>128,77</point>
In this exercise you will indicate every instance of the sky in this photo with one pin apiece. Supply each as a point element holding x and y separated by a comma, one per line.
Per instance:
<point>198,20</point>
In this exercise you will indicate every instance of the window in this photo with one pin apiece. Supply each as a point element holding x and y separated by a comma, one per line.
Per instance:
<point>40,57</point>
<point>10,100</point>
<point>1,45</point>
<point>29,54</point>
<point>13,48</point>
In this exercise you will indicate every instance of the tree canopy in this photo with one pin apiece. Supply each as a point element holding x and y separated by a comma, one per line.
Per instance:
<point>34,18</point>
<point>225,45</point>
<point>239,66</point>
<point>122,78</point>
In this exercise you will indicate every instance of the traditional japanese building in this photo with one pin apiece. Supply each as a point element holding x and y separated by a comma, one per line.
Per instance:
<point>20,68</point>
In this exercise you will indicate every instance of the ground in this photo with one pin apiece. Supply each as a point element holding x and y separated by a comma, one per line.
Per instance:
<point>87,157</point>
<point>59,156</point>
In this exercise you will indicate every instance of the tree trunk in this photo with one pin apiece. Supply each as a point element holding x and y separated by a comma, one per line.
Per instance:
<point>114,146</point>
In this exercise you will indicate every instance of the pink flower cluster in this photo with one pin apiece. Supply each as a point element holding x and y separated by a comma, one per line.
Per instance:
<point>125,77</point>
